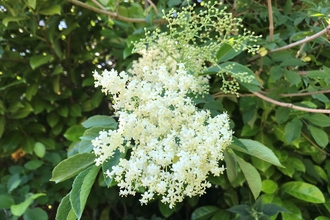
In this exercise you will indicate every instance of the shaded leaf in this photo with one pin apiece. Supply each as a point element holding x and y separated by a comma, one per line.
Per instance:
<point>292,130</point>
<point>204,212</point>
<point>55,9</point>
<point>38,60</point>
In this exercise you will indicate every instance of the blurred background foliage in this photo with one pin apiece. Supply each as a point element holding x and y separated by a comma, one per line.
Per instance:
<point>49,50</point>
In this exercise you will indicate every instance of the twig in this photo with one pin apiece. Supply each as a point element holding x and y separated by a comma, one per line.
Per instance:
<point>116,15</point>
<point>153,6</point>
<point>314,144</point>
<point>289,105</point>
<point>99,4</point>
<point>221,94</point>
<point>307,39</point>
<point>300,50</point>
<point>270,16</point>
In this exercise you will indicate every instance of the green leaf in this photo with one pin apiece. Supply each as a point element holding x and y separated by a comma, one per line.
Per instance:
<point>108,164</point>
<point>63,111</point>
<point>282,114</point>
<point>204,212</point>
<point>272,209</point>
<point>33,164</point>
<point>260,151</point>
<point>319,136</point>
<point>6,201</point>
<point>39,149</point>
<point>231,165</point>
<point>303,191</point>
<point>31,91</point>
<point>6,20</point>
<point>165,209</point>
<point>292,76</point>
<point>172,3</point>
<point>317,74</point>
<point>19,209</point>
<point>32,3</point>
<point>251,175</point>
<point>13,182</point>
<point>221,214</point>
<point>238,144</point>
<point>36,213</point>
<point>39,60</point>
<point>243,210</point>
<point>100,121</point>
<point>81,188</point>
<point>2,125</point>
<point>276,72</point>
<point>72,166</point>
<point>292,130</point>
<point>234,68</point>
<point>74,133</point>
<point>269,186</point>
<point>64,211</point>
<point>55,9</point>
<point>226,52</point>
<point>52,119</point>
<point>318,119</point>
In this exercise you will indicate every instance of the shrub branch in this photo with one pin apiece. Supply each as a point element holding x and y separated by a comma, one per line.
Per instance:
<point>289,105</point>
<point>303,41</point>
<point>115,15</point>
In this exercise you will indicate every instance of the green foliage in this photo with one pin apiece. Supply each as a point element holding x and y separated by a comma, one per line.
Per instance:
<point>47,98</point>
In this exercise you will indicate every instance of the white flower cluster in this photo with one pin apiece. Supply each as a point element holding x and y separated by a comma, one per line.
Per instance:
<point>171,146</point>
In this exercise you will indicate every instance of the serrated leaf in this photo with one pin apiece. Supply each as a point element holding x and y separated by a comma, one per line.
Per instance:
<point>19,209</point>
<point>260,151</point>
<point>53,10</point>
<point>38,60</point>
<point>303,191</point>
<point>81,188</point>
<point>64,210</point>
<point>319,136</point>
<point>251,175</point>
<point>292,130</point>
<point>72,166</point>
<point>100,121</point>
<point>204,212</point>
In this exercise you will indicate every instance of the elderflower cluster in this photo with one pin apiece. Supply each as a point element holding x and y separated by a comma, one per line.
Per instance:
<point>171,146</point>
<point>195,38</point>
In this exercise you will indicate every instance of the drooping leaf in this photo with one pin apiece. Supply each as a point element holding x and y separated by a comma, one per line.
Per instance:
<point>251,175</point>
<point>304,191</point>
<point>72,166</point>
<point>81,188</point>
<point>231,165</point>
<point>19,209</point>
<point>260,151</point>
